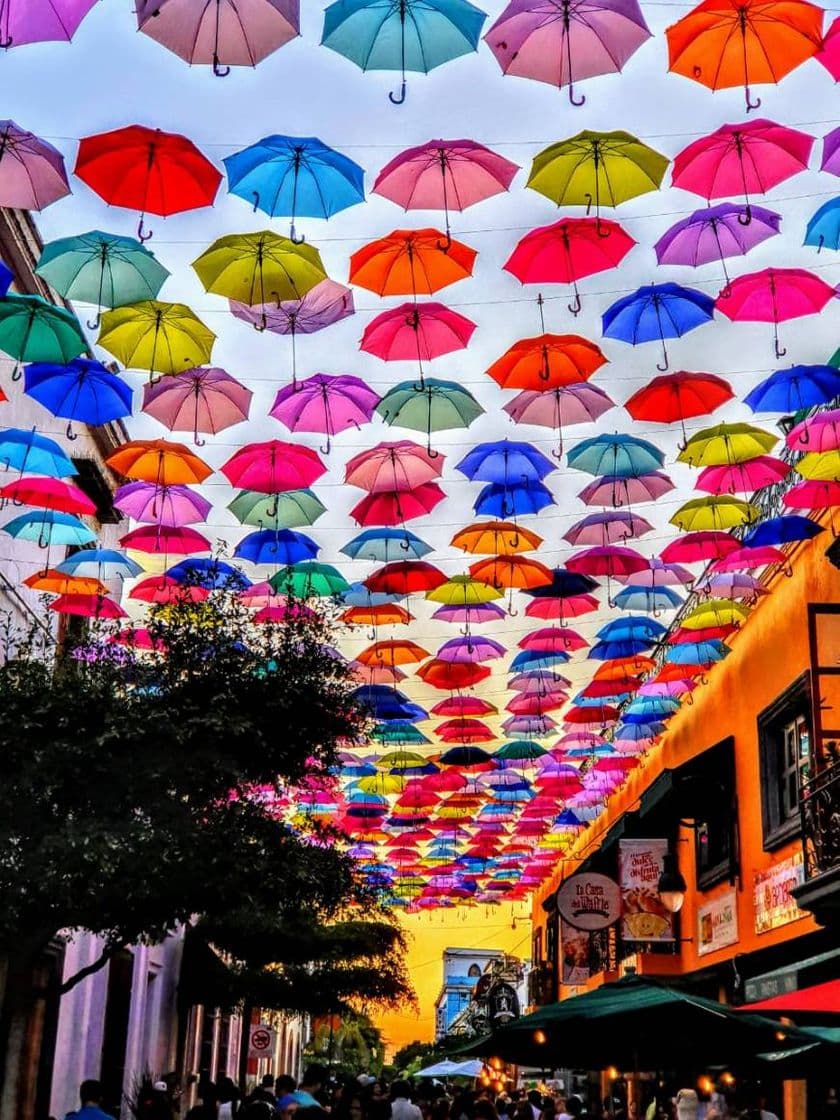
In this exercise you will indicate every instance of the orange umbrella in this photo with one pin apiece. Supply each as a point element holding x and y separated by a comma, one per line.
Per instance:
<point>624,668</point>
<point>381,614</point>
<point>159,461</point>
<point>452,675</point>
<point>58,583</point>
<point>500,538</point>
<point>511,571</point>
<point>549,361</point>
<point>728,43</point>
<point>397,652</point>
<point>411,262</point>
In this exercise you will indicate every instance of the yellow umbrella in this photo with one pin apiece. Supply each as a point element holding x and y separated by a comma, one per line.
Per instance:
<point>714,513</point>
<point>822,467</point>
<point>400,760</point>
<point>382,783</point>
<point>715,612</point>
<point>725,444</point>
<point>157,336</point>
<point>496,538</point>
<point>258,268</point>
<point>463,591</point>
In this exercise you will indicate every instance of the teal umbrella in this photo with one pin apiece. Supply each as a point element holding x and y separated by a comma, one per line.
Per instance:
<point>49,527</point>
<point>403,35</point>
<point>432,406</point>
<point>309,579</point>
<point>33,330</point>
<point>287,510</point>
<point>101,268</point>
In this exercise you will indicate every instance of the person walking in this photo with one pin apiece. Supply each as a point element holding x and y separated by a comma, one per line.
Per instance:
<point>402,1107</point>
<point>90,1094</point>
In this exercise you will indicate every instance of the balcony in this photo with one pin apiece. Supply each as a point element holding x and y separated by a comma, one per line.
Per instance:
<point>820,812</point>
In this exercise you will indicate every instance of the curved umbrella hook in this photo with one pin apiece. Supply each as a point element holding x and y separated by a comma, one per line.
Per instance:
<point>142,234</point>
<point>326,448</point>
<point>576,101</point>
<point>69,431</point>
<point>746,218</point>
<point>662,366</point>
<point>219,70</point>
<point>17,372</point>
<point>756,104</point>
<point>445,245</point>
<point>575,305</point>
<point>778,348</point>
<point>293,237</point>
<point>398,99</point>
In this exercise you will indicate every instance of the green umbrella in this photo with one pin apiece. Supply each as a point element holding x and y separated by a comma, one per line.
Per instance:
<point>640,1023</point>
<point>288,510</point>
<point>430,406</point>
<point>405,733</point>
<point>309,579</point>
<point>519,750</point>
<point>595,169</point>
<point>33,330</point>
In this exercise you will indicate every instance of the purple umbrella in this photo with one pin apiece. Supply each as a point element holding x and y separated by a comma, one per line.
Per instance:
<point>470,649</point>
<point>560,42</point>
<point>560,407</point>
<point>167,506</point>
<point>323,305</point>
<point>609,490</point>
<point>198,400</point>
<point>325,404</point>
<point>728,230</point>
<point>40,21</point>
<point>659,573</point>
<point>606,528</point>
<point>32,173</point>
<point>481,612</point>
<point>831,153</point>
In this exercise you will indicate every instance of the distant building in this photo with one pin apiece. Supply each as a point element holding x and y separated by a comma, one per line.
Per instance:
<point>462,969</point>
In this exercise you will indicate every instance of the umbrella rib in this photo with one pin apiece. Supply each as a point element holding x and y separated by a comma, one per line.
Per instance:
<point>389,13</point>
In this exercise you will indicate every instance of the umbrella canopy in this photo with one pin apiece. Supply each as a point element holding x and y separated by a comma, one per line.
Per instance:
<point>384,545</point>
<point>170,506</point>
<point>32,172</point>
<point>774,295</point>
<point>678,396</point>
<point>411,262</point>
<point>795,389</point>
<point>273,467</point>
<point>718,232</point>
<point>416,331</point>
<point>620,456</point>
<point>823,230</point>
<point>325,404</point>
<point>253,268</point>
<point>431,406</point>
<point>657,312</point>
<point>399,466</point>
<point>48,493</point>
<point>156,336</point>
<point>81,390</point>
<point>549,361</point>
<point>40,21</point>
<point>288,510</point>
<point>198,400</point>
<point>33,330</point>
<point>50,527</point>
<point>159,461</point>
<point>726,444</point>
<point>29,451</point>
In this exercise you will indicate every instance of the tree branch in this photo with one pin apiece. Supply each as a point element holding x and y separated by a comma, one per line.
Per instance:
<point>107,953</point>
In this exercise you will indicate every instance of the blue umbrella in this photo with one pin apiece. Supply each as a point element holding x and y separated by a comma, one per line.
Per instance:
<point>620,647</point>
<point>786,529</point>
<point>824,227</point>
<point>657,312</point>
<point>49,527</point>
<point>103,563</point>
<point>583,701</point>
<point>212,574</point>
<point>386,702</point>
<point>618,455</point>
<point>564,584</point>
<point>499,500</point>
<point>415,35</point>
<point>641,718</point>
<point>696,653</point>
<point>537,659</point>
<point>22,450</point>
<point>6,278</point>
<point>652,599</point>
<point>276,546</point>
<point>505,462</point>
<point>386,545</point>
<point>652,706</point>
<point>81,390</point>
<point>634,732</point>
<point>295,176</point>
<point>631,626</point>
<point>790,390</point>
<point>357,595</point>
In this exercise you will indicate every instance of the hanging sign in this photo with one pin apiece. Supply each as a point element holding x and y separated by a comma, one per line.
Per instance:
<point>773,903</point>
<point>589,901</point>
<point>574,954</point>
<point>260,1041</point>
<point>643,915</point>
<point>717,924</point>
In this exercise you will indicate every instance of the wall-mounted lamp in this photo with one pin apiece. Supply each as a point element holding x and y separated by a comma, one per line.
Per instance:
<point>671,886</point>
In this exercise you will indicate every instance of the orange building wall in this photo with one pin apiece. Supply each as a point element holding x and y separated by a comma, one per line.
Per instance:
<point>768,654</point>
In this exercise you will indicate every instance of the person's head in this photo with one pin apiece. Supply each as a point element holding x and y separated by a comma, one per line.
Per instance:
<point>90,1092</point>
<point>535,1097</point>
<point>314,1077</point>
<point>227,1089</point>
<point>401,1089</point>
<point>267,1081</point>
<point>284,1085</point>
<point>355,1107</point>
<point>574,1106</point>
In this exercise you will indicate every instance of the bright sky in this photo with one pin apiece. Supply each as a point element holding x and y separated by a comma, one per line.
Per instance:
<point>112,76</point>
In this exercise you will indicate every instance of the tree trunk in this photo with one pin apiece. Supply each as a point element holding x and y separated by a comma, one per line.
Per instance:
<point>18,1000</point>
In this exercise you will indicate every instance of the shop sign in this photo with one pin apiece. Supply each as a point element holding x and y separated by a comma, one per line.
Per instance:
<point>261,1041</point>
<point>589,901</point>
<point>717,924</point>
<point>574,954</point>
<point>773,903</point>
<point>643,916</point>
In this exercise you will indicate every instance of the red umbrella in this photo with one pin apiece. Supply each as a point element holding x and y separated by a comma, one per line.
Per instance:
<point>463,706</point>
<point>774,295</point>
<point>549,361</point>
<point>452,675</point>
<point>464,731</point>
<point>568,251</point>
<point>164,589</point>
<point>678,396</point>
<point>87,606</point>
<point>572,606</point>
<point>405,577</point>
<point>148,170</point>
<point>702,545</point>
<point>395,507</point>
<point>598,714</point>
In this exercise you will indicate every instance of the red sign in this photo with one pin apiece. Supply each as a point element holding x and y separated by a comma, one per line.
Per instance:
<point>261,1041</point>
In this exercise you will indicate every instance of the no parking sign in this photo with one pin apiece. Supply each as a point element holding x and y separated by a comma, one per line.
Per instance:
<point>261,1041</point>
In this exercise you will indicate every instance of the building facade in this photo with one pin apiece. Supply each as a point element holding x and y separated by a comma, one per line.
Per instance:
<point>462,970</point>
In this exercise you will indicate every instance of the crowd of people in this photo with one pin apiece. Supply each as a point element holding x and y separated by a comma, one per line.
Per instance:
<point>319,1096</point>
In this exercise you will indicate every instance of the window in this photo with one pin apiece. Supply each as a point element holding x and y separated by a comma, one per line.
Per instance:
<point>474,972</point>
<point>709,786</point>
<point>784,738</point>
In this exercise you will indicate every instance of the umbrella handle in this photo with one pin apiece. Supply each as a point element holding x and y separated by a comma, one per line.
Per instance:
<point>218,70</point>
<point>262,325</point>
<point>69,431</point>
<point>745,218</point>
<point>154,380</point>
<point>325,449</point>
<point>17,372</point>
<point>576,101</point>
<point>575,305</point>
<point>293,237</point>
<point>142,234</point>
<point>94,326</point>
<point>7,42</point>
<point>198,441</point>
<point>756,104</point>
<point>398,98</point>
<point>446,244</point>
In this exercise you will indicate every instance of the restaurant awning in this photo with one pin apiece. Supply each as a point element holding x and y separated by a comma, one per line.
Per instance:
<point>793,978</point>
<point>818,999</point>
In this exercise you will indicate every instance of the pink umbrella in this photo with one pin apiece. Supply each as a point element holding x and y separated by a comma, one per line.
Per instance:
<point>166,541</point>
<point>572,606</point>
<point>168,506</point>
<point>774,295</point>
<point>198,400</point>
<point>733,585</point>
<point>40,21</point>
<point>813,494</point>
<point>524,705</point>
<point>416,331</point>
<point>165,589</point>
<point>743,478</point>
<point>32,172</point>
<point>47,493</point>
<point>88,606</point>
<point>480,612</point>
<point>745,159</point>
<point>609,561</point>
<point>831,153</point>
<point>283,613</point>
<point>829,56</point>
<point>395,507</point>
<point>327,303</point>
<point>559,42</point>
<point>398,466</point>
<point>743,559</point>
<point>702,545</point>
<point>553,638</point>
<point>138,637</point>
<point>623,492</point>
<point>607,528</point>
<point>325,404</point>
<point>659,573</point>
<point>273,467</point>
<point>559,407</point>
<point>817,433</point>
<point>444,175</point>
<point>260,595</point>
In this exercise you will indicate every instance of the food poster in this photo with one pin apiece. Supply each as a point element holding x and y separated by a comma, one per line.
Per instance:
<point>643,916</point>
<point>574,954</point>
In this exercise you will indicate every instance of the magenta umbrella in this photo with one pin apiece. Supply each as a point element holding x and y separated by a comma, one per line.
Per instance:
<point>198,400</point>
<point>444,175</point>
<point>166,541</point>
<point>704,544</point>
<point>169,506</point>
<point>623,492</point>
<point>659,573</point>
<point>743,478</point>
<point>273,467</point>
<point>774,295</point>
<point>40,21</point>
<point>32,172</point>
<point>820,432</point>
<point>606,528</point>
<point>610,561</point>
<point>421,331</point>
<point>325,404</point>
<point>560,42</point>
<point>831,153</point>
<point>327,303</point>
<point>480,612</point>
<point>813,494</point>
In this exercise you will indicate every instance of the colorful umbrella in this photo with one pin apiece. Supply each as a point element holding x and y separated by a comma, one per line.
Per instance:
<point>32,172</point>
<point>617,492</point>
<point>166,505</point>
<point>416,331</point>
<point>156,336</point>
<point>33,330</point>
<point>411,262</point>
<point>605,528</point>
<point>295,176</point>
<point>431,406</point>
<point>496,538</point>
<point>444,175</point>
<point>160,462</point>
<point>29,451</point>
<point>147,170</point>
<point>714,513</point>
<point>820,432</point>
<point>53,582</point>
<point>276,546</point>
<point>50,527</point>
<point>829,55</point>
<point>40,21</point>
<point>679,396</point>
<point>198,400</point>
<point>399,466</point>
<point>549,361</point>
<point>743,478</point>
<point>252,268</point>
<point>795,389</point>
<point>325,404</point>
<point>166,541</point>
<point>81,390</point>
<point>561,42</point>
<point>559,407</point>
<point>595,168</point>
<point>830,161</point>
<point>505,461</point>
<point>517,499</point>
<point>657,312</point>
<point>385,545</point>
<point>101,268</point>
<point>718,232</point>
<point>395,507</point>
<point>823,228</point>
<point>726,444</point>
<point>619,456</point>
<point>287,510</point>
<point>223,34</point>
<point>164,589</point>
<point>310,580</point>
<point>774,295</point>
<point>48,493</point>
<point>406,35</point>
<point>88,606</point>
<point>273,467</point>
<point>406,577</point>
<point>463,591</point>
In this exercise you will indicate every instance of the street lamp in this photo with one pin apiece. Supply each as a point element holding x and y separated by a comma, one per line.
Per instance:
<point>671,886</point>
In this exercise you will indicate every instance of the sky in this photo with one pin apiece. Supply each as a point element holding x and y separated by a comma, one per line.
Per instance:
<point>112,76</point>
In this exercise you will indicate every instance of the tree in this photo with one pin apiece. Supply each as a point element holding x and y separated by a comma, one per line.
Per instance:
<point>140,791</point>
